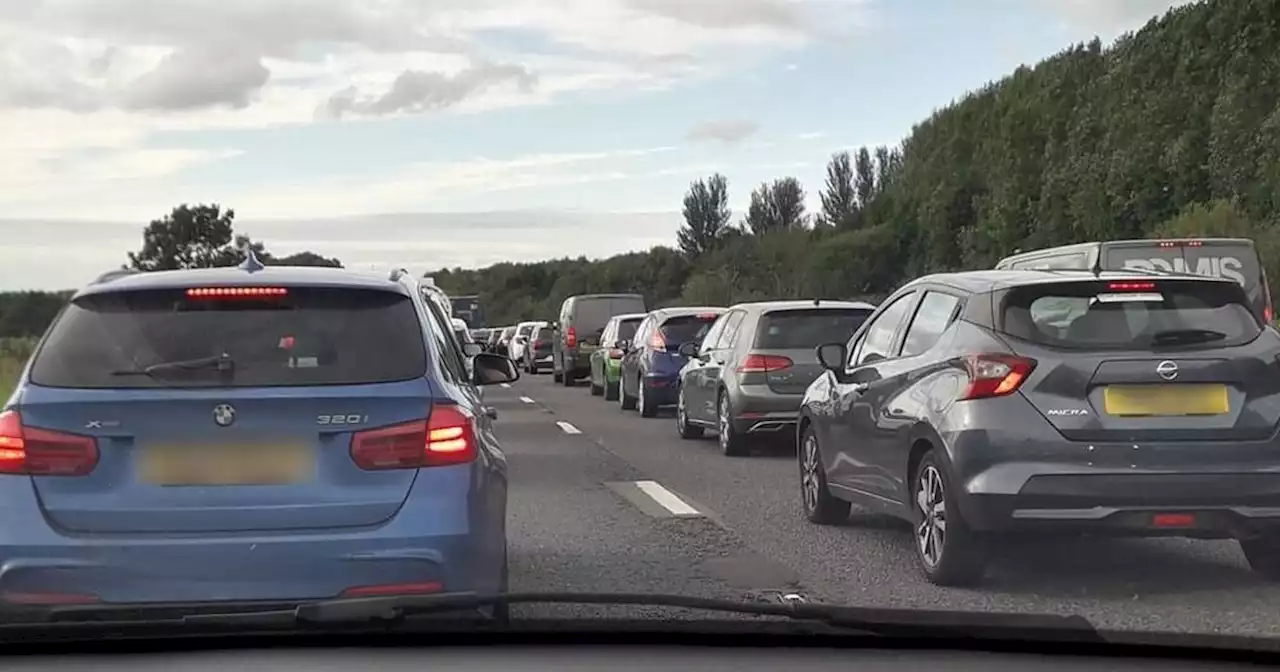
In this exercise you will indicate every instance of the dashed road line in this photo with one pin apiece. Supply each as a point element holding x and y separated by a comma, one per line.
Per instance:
<point>666,499</point>
<point>526,400</point>
<point>568,428</point>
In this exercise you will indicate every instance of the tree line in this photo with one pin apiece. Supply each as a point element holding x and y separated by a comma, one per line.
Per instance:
<point>1173,130</point>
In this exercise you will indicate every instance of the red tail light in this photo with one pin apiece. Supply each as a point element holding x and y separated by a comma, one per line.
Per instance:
<point>571,337</point>
<point>615,353</point>
<point>43,452</point>
<point>394,589</point>
<point>1131,286</point>
<point>447,437</point>
<point>657,341</point>
<point>235,292</point>
<point>995,375</point>
<point>764,363</point>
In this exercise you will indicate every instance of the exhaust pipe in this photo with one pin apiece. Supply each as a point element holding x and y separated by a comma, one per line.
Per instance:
<point>771,426</point>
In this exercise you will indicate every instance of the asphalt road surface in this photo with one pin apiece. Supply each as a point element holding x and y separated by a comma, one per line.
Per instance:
<point>604,500</point>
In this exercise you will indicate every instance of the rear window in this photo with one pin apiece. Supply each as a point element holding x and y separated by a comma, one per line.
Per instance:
<point>627,329</point>
<point>686,328</point>
<point>1215,260</point>
<point>311,336</point>
<point>1136,315</point>
<point>809,328</point>
<point>524,330</point>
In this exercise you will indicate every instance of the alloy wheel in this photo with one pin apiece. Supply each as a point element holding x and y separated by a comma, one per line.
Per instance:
<point>809,473</point>
<point>931,532</point>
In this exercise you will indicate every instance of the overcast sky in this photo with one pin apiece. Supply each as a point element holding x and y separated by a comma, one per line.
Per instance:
<point>528,128</point>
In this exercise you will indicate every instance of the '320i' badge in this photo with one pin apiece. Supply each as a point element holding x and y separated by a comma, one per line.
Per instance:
<point>224,415</point>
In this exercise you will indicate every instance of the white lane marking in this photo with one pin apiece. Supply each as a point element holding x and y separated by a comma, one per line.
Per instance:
<point>666,499</point>
<point>568,428</point>
<point>506,385</point>
<point>526,400</point>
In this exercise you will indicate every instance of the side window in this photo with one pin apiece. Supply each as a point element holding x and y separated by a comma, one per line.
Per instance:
<point>878,339</point>
<point>935,314</point>
<point>709,341</point>
<point>642,331</point>
<point>607,337</point>
<point>731,330</point>
<point>451,358</point>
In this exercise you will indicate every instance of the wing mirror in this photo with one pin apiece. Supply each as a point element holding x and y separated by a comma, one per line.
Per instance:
<point>490,369</point>
<point>689,349</point>
<point>472,349</point>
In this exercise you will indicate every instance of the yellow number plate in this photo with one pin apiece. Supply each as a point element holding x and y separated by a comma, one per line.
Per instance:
<point>1155,400</point>
<point>226,465</point>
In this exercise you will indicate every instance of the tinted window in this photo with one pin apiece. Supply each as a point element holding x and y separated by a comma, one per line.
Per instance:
<point>730,334</point>
<point>1220,260</point>
<point>879,337</point>
<point>1075,260</point>
<point>682,328</point>
<point>808,328</point>
<point>932,318</point>
<point>524,330</point>
<point>312,336</point>
<point>627,329</point>
<point>1098,314</point>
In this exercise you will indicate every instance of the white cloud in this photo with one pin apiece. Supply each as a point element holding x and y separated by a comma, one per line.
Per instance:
<point>728,131</point>
<point>1110,17</point>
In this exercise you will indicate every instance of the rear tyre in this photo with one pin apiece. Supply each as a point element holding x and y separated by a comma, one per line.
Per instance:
<point>567,378</point>
<point>502,612</point>
<point>820,506</point>
<point>596,390</point>
<point>556,375</point>
<point>626,403</point>
<point>948,551</point>
<point>610,391</point>
<point>1263,554</point>
<point>533,369</point>
<point>644,401</point>
<point>732,444</point>
<point>686,430</point>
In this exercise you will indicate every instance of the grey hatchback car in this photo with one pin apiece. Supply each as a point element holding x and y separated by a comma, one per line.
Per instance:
<point>993,402</point>
<point>746,378</point>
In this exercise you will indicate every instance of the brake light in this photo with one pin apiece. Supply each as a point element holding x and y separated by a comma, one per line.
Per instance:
<point>764,363</point>
<point>43,452</point>
<point>657,341</point>
<point>235,292</point>
<point>381,589</point>
<point>615,353</point>
<point>571,337</point>
<point>447,437</point>
<point>1131,286</point>
<point>995,375</point>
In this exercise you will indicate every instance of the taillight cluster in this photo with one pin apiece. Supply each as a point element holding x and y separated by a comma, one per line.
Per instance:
<point>571,337</point>
<point>757,363</point>
<point>43,452</point>
<point>447,437</point>
<point>995,375</point>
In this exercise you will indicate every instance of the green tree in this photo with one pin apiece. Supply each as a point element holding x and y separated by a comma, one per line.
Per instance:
<point>706,215</point>
<point>197,236</point>
<point>839,200</point>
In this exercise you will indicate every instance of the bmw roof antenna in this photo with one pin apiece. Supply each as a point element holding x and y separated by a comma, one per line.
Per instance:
<point>250,263</point>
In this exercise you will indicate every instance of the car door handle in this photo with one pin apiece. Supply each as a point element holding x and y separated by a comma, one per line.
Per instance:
<point>491,412</point>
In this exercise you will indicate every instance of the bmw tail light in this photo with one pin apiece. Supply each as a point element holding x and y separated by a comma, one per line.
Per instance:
<point>995,375</point>
<point>447,437</point>
<point>43,452</point>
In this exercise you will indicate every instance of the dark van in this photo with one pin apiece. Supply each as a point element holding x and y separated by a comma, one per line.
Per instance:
<point>579,328</point>
<point>1231,258</point>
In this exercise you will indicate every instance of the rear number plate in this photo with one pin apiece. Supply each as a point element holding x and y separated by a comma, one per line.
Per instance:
<point>195,465</point>
<point>1166,400</point>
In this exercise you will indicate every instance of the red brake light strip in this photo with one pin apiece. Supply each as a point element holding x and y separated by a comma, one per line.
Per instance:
<point>234,292</point>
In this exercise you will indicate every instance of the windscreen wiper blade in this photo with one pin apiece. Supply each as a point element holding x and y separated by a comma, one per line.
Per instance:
<point>894,622</point>
<point>222,362</point>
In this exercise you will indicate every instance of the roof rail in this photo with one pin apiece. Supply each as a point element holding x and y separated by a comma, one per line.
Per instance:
<point>112,275</point>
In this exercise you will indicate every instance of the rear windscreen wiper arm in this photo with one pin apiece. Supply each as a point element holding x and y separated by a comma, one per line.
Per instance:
<point>222,362</point>
<point>889,622</point>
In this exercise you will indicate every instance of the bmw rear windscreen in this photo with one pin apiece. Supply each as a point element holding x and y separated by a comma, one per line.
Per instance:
<point>308,336</point>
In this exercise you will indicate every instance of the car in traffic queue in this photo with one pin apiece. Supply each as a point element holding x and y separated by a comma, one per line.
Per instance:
<point>649,371</point>
<point>746,379</point>
<point>461,331</point>
<point>481,336</point>
<point>521,339</point>
<point>606,361</point>
<point>502,341</point>
<point>990,403</point>
<point>537,350</point>
<point>250,434</point>
<point>578,329</point>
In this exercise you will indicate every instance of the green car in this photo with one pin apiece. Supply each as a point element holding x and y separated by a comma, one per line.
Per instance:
<point>606,361</point>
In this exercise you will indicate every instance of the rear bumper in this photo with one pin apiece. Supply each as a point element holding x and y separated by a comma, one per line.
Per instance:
<point>662,389</point>
<point>461,547</point>
<point>761,411</point>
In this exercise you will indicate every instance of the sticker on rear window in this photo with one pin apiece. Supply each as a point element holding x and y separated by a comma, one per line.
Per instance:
<point>1231,268</point>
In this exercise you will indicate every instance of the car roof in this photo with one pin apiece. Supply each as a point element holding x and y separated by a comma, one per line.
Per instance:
<point>801,304</point>
<point>677,311</point>
<point>989,280</point>
<point>628,316</point>
<point>232,276</point>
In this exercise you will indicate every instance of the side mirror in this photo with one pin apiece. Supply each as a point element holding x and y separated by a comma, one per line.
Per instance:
<point>490,369</point>
<point>864,376</point>
<point>472,349</point>
<point>689,349</point>
<point>832,356</point>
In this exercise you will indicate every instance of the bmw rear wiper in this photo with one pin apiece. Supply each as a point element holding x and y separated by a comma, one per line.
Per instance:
<point>222,362</point>
<point>887,621</point>
<point>1181,336</point>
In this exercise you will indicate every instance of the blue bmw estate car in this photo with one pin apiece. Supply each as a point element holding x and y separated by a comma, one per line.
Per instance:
<point>250,434</point>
